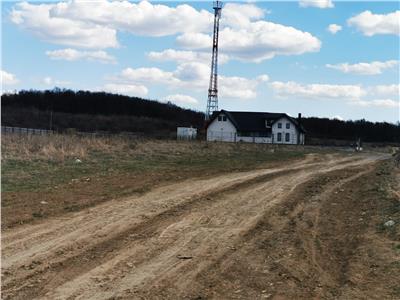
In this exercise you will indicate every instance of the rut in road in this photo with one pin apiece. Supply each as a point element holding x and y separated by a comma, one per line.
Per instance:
<point>125,246</point>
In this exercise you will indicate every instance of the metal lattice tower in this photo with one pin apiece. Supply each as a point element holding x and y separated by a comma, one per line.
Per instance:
<point>212,102</point>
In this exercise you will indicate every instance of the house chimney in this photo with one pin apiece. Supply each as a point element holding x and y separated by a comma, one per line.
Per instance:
<point>299,122</point>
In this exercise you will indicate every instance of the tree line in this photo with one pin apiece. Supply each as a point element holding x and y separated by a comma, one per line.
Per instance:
<point>324,128</point>
<point>94,111</point>
<point>99,111</point>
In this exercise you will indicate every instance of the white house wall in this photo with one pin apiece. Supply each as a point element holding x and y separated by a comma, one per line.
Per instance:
<point>223,131</point>
<point>293,132</point>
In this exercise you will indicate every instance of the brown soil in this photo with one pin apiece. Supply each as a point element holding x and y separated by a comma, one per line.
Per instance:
<point>307,230</point>
<point>34,206</point>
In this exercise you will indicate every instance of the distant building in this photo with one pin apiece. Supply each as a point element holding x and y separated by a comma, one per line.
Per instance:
<point>255,127</point>
<point>186,133</point>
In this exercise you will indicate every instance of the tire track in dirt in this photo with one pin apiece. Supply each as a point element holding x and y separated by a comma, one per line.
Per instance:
<point>267,249</point>
<point>24,233</point>
<point>18,239</point>
<point>132,279</point>
<point>136,236</point>
<point>169,281</point>
<point>73,265</point>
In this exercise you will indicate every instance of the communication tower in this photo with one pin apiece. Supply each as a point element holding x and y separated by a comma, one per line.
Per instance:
<point>212,102</point>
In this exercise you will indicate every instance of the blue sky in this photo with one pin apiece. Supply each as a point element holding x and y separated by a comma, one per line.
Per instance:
<point>320,58</point>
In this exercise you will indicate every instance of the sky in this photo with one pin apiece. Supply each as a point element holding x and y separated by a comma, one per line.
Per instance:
<point>323,58</point>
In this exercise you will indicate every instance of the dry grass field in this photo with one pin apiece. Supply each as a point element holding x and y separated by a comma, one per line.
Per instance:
<point>114,218</point>
<point>69,172</point>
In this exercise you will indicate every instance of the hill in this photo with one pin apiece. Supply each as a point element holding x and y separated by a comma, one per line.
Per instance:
<point>94,111</point>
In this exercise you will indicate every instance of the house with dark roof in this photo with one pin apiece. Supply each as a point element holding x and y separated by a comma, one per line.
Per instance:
<point>255,127</point>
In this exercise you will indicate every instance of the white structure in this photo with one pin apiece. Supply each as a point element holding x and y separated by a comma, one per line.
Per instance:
<point>255,127</point>
<point>186,133</point>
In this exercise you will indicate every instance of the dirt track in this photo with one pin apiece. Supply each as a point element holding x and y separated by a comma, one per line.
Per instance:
<point>208,238</point>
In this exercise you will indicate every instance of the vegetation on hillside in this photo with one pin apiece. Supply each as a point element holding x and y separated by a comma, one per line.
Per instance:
<point>94,111</point>
<point>324,128</point>
<point>99,111</point>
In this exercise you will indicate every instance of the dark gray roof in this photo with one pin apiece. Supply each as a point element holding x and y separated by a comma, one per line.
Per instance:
<point>254,121</point>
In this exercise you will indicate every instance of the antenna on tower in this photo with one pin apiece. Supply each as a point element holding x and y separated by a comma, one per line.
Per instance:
<point>212,102</point>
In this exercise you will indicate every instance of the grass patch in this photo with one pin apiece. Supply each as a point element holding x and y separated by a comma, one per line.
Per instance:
<point>37,169</point>
<point>42,162</point>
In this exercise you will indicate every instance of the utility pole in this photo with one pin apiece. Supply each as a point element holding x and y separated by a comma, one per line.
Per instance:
<point>212,102</point>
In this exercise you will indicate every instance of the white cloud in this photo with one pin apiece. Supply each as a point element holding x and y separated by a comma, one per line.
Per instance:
<point>317,91</point>
<point>86,24</point>
<point>363,68</point>
<point>191,76</point>
<point>143,18</point>
<point>43,22</point>
<point>8,78</point>
<point>370,24</point>
<point>337,117</point>
<point>47,80</point>
<point>181,99</point>
<point>383,103</point>
<point>351,94</point>
<point>50,81</point>
<point>74,55</point>
<point>126,89</point>
<point>264,40</point>
<point>238,87</point>
<point>181,56</point>
<point>334,28</point>
<point>263,78</point>
<point>148,75</point>
<point>187,75</point>
<point>243,35</point>
<point>386,90</point>
<point>316,3</point>
<point>240,15</point>
<point>89,24</point>
<point>258,41</point>
<point>197,74</point>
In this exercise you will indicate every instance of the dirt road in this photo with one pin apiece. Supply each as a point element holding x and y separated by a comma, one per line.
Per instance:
<point>236,236</point>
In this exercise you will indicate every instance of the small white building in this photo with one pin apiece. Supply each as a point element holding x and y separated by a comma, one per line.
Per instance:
<point>186,133</point>
<point>255,127</point>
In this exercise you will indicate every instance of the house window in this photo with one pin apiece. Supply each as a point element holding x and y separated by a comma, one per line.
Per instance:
<point>287,137</point>
<point>279,136</point>
<point>267,123</point>
<point>279,125</point>
<point>287,125</point>
<point>224,118</point>
<point>220,118</point>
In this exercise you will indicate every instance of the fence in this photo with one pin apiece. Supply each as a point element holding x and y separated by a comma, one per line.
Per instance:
<point>20,130</point>
<point>71,131</point>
